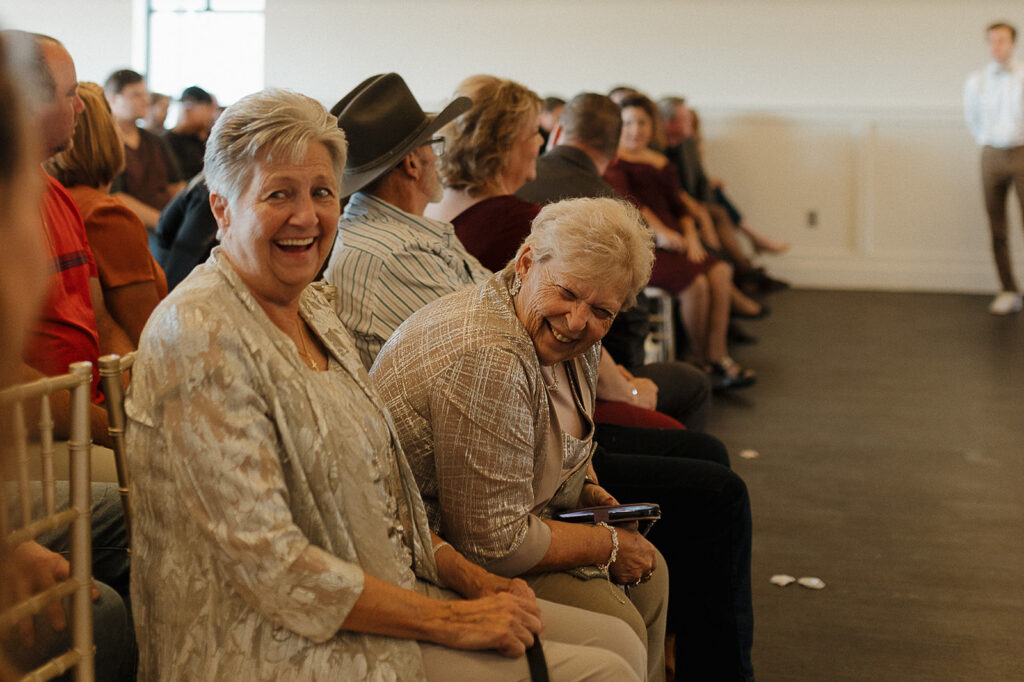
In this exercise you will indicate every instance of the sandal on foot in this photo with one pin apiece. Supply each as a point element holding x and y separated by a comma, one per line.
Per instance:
<point>728,374</point>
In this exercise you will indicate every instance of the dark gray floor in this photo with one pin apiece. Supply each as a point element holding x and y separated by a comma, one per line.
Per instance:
<point>890,428</point>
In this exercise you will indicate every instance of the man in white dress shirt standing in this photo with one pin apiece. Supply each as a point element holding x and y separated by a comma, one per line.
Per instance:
<point>994,109</point>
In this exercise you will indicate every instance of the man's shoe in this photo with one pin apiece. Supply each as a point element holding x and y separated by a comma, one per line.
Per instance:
<point>1005,303</point>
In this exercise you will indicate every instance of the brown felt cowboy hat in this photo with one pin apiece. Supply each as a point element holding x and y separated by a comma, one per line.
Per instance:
<point>383,122</point>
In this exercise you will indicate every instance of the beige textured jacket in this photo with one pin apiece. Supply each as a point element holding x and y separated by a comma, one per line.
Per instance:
<point>263,490</point>
<point>462,381</point>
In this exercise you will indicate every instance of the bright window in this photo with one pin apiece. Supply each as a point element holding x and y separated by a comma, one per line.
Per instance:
<point>215,44</point>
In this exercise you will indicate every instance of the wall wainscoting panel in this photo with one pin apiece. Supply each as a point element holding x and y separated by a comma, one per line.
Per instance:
<point>868,199</point>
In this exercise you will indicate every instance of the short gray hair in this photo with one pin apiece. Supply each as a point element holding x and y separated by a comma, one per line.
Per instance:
<point>593,237</point>
<point>270,124</point>
<point>667,107</point>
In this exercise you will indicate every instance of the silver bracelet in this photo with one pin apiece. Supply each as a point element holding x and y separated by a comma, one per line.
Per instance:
<point>440,545</point>
<point>615,546</point>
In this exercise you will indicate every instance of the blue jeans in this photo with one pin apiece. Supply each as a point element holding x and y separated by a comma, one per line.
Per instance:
<point>113,635</point>
<point>113,631</point>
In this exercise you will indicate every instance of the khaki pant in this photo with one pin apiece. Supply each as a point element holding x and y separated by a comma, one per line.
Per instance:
<point>578,645</point>
<point>1001,168</point>
<point>645,610</point>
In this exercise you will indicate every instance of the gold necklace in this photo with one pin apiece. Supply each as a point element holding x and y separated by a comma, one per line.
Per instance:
<point>310,359</point>
<point>553,386</point>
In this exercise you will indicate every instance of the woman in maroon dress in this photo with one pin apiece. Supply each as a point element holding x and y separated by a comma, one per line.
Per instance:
<point>682,266</point>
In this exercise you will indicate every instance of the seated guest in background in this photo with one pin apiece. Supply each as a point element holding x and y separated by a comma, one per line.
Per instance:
<point>389,260</point>
<point>621,92</point>
<point>186,233</point>
<point>33,566</point>
<point>151,175</point>
<point>721,220</point>
<point>22,290</point>
<point>492,392</point>
<point>23,258</point>
<point>549,112</point>
<point>187,139</point>
<point>492,152</point>
<point>583,143</point>
<point>156,114</point>
<point>132,281</point>
<point>74,324</point>
<point>683,267</point>
<point>269,484</point>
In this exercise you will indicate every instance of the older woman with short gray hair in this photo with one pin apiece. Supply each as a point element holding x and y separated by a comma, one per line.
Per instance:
<point>492,390</point>
<point>279,533</point>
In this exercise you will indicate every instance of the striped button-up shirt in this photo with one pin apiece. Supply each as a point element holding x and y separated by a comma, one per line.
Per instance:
<point>388,263</point>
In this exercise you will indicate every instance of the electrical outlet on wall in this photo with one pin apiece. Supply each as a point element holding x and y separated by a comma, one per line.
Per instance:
<point>812,218</point>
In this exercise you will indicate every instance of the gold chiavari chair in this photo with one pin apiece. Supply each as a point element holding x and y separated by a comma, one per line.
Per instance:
<point>112,369</point>
<point>15,531</point>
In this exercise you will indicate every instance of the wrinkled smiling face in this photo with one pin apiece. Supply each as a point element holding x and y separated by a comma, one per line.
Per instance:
<point>565,314</point>
<point>278,232</point>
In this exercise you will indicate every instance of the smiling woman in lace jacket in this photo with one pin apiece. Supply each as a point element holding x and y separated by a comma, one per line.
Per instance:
<point>280,533</point>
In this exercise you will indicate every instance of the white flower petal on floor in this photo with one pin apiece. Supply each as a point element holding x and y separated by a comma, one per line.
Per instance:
<point>782,580</point>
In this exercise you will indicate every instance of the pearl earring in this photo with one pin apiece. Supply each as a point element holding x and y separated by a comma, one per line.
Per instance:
<point>517,284</point>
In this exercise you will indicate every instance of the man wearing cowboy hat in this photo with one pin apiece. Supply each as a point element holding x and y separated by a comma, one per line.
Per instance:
<point>389,259</point>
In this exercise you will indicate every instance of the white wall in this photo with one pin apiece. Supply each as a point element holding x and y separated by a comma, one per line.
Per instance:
<point>846,107</point>
<point>735,53</point>
<point>97,33</point>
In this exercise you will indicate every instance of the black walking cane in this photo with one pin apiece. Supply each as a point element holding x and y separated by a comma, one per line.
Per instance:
<point>535,659</point>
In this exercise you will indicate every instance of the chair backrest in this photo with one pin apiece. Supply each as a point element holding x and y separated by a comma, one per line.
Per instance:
<point>112,369</point>
<point>15,531</point>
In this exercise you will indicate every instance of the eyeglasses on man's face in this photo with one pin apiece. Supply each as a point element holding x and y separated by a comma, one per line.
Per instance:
<point>436,145</point>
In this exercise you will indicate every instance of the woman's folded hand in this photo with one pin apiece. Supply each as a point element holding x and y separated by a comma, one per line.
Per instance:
<point>488,583</point>
<point>506,622</point>
<point>636,558</point>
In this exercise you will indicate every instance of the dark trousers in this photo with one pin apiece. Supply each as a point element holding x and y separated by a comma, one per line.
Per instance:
<point>113,630</point>
<point>704,534</point>
<point>1001,168</point>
